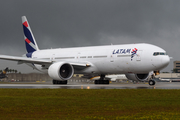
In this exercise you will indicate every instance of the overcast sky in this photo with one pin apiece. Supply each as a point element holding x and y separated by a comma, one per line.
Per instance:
<point>74,23</point>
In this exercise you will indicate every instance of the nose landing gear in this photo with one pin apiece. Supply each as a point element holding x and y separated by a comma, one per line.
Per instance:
<point>151,82</point>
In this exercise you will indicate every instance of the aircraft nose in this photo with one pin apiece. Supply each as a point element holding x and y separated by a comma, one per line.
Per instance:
<point>165,61</point>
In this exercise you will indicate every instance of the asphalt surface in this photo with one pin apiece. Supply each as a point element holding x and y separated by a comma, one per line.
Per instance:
<point>81,85</point>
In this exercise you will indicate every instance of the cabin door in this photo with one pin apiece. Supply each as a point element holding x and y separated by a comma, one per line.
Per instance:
<point>139,55</point>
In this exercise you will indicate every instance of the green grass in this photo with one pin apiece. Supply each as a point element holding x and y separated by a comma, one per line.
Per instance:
<point>145,104</point>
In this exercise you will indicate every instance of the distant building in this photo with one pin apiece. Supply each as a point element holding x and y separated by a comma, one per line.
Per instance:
<point>31,77</point>
<point>176,67</point>
<point>168,75</point>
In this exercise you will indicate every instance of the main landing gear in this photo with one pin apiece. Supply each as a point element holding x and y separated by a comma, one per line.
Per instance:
<point>59,82</point>
<point>151,82</point>
<point>101,80</point>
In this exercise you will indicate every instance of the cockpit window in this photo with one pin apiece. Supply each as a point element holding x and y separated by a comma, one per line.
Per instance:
<point>158,53</point>
<point>162,53</point>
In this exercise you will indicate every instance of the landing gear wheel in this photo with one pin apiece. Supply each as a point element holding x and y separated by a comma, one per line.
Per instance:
<point>152,82</point>
<point>64,82</point>
<point>97,82</point>
<point>55,82</point>
<point>101,82</point>
<point>106,81</point>
<point>59,82</point>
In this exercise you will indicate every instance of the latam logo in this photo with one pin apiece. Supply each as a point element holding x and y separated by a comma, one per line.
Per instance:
<point>132,52</point>
<point>122,51</point>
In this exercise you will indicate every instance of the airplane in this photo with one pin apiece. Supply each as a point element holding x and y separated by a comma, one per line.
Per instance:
<point>136,61</point>
<point>3,74</point>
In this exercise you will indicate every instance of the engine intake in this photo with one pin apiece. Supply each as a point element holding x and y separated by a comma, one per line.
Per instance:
<point>61,71</point>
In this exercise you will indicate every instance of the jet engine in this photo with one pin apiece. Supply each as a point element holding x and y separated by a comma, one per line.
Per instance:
<point>61,71</point>
<point>138,77</point>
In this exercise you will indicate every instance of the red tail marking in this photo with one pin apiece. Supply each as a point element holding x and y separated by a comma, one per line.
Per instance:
<point>28,41</point>
<point>25,24</point>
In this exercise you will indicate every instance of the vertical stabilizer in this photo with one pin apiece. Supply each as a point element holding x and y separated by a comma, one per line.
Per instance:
<point>30,41</point>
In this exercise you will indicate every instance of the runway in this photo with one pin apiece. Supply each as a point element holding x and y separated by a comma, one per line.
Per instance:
<point>159,85</point>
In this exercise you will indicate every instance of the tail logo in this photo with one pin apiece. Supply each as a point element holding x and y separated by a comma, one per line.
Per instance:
<point>25,24</point>
<point>30,45</point>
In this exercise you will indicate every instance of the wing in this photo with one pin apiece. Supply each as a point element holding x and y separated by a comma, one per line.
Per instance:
<point>21,60</point>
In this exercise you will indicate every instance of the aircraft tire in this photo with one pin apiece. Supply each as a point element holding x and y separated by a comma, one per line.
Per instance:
<point>64,82</point>
<point>96,81</point>
<point>59,82</point>
<point>106,81</point>
<point>54,81</point>
<point>152,82</point>
<point>101,82</point>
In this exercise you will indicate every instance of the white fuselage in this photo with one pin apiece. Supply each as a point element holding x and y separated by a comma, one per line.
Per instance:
<point>112,59</point>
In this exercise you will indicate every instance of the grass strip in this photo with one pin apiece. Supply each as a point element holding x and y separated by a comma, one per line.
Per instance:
<point>77,104</point>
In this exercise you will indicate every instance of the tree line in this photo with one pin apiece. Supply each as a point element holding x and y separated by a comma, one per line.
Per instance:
<point>10,71</point>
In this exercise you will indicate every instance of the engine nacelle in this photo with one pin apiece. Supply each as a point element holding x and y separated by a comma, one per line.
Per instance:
<point>61,71</point>
<point>138,77</point>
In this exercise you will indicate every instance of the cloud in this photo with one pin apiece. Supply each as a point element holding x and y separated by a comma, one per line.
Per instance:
<point>74,23</point>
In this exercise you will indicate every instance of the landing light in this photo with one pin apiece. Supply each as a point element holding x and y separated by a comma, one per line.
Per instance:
<point>88,65</point>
